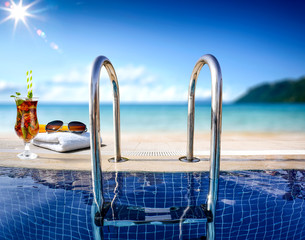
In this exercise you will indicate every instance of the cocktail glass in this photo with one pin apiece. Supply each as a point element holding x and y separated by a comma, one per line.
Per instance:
<point>26,126</point>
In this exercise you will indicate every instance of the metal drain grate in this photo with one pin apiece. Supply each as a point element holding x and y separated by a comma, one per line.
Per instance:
<point>148,153</point>
<point>156,153</point>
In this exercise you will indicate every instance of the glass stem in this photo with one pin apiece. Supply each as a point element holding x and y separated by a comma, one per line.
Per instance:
<point>27,151</point>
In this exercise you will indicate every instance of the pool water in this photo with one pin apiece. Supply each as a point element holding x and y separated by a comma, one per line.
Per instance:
<point>49,204</point>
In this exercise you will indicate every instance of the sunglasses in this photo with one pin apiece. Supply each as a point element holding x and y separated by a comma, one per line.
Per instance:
<point>74,127</point>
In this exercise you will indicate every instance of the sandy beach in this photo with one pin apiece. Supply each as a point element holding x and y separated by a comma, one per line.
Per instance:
<point>159,152</point>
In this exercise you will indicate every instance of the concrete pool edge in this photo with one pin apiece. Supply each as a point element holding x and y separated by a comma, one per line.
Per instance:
<point>159,152</point>
<point>156,164</point>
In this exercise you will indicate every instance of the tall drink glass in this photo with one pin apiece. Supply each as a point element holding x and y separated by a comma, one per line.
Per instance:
<point>26,126</point>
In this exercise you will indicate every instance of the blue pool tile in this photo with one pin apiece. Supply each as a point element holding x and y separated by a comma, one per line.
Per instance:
<point>47,204</point>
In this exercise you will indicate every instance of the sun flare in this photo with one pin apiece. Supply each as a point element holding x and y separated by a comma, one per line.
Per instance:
<point>20,12</point>
<point>17,12</point>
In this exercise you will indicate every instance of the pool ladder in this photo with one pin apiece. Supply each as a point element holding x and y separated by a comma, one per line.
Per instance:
<point>216,115</point>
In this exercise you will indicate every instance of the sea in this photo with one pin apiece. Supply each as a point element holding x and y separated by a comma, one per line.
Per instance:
<point>269,118</point>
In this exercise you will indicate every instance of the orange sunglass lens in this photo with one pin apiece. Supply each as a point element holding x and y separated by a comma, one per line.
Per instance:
<point>54,126</point>
<point>77,127</point>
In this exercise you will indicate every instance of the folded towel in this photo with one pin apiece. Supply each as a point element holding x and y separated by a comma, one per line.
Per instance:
<point>62,141</point>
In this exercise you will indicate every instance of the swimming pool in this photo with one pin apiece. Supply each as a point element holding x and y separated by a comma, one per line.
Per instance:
<point>49,204</point>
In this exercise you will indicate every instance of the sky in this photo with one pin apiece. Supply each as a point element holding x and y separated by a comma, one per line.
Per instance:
<point>153,46</point>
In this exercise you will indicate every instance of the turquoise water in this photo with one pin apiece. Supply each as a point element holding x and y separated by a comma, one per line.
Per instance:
<point>173,117</point>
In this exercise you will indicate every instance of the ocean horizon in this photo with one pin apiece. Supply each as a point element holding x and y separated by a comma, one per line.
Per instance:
<point>171,117</point>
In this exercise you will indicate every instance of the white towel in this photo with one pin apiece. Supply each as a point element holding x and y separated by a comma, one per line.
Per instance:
<point>62,141</point>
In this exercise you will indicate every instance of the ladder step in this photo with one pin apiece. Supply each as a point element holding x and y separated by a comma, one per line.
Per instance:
<point>122,215</point>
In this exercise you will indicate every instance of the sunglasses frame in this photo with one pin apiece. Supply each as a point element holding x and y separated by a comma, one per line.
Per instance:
<point>63,123</point>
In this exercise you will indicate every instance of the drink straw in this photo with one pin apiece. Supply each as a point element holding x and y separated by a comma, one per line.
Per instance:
<point>29,84</point>
<point>27,80</point>
<point>31,81</point>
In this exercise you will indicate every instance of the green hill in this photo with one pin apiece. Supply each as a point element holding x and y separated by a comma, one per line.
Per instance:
<point>285,91</point>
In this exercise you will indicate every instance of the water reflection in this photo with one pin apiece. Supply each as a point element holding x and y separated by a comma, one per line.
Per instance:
<point>296,183</point>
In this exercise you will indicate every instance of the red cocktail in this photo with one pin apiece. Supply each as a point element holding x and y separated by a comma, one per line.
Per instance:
<point>26,126</point>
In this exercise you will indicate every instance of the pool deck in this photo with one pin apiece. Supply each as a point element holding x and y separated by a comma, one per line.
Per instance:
<point>159,152</point>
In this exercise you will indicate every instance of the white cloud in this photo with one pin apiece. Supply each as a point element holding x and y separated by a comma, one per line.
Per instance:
<point>228,95</point>
<point>135,82</point>
<point>7,89</point>
<point>72,77</point>
<point>155,93</point>
<point>131,73</point>
<point>75,76</point>
<point>203,93</point>
<point>5,86</point>
<point>63,94</point>
<point>74,85</point>
<point>148,80</point>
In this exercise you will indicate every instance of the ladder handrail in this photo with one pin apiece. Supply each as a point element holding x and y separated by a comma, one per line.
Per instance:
<point>215,143</point>
<point>94,113</point>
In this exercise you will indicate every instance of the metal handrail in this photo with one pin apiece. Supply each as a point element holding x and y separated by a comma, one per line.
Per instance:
<point>216,115</point>
<point>94,112</point>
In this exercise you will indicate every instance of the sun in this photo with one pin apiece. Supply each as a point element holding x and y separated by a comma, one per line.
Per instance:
<point>17,12</point>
